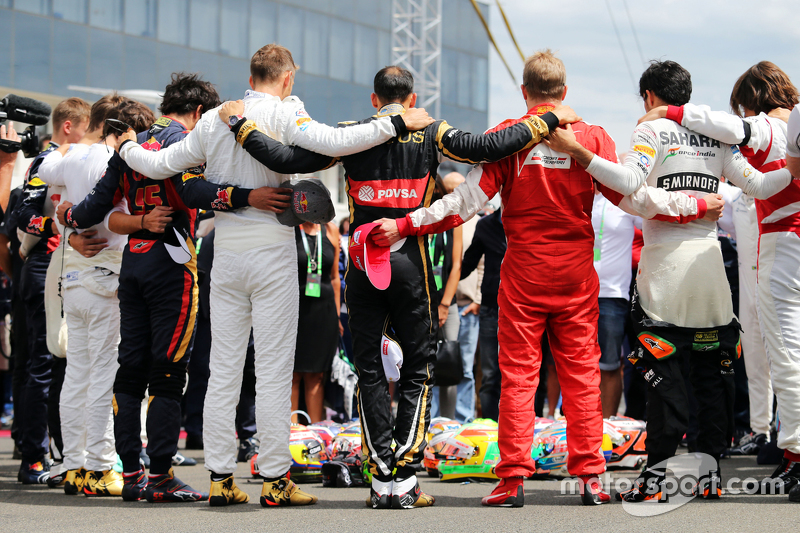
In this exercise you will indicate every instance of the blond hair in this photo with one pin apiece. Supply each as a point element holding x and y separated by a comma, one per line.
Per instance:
<point>544,75</point>
<point>270,61</point>
<point>73,109</point>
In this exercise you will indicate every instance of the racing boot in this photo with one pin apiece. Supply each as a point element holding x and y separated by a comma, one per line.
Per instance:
<point>592,492</point>
<point>380,494</point>
<point>510,492</point>
<point>33,473</point>
<point>647,487</point>
<point>225,492</point>
<point>709,487</point>
<point>73,483</point>
<point>783,478</point>
<point>247,449</point>
<point>58,475</point>
<point>406,494</point>
<point>167,488</point>
<point>103,483</point>
<point>134,486</point>
<point>284,491</point>
<point>794,494</point>
<point>181,460</point>
<point>750,444</point>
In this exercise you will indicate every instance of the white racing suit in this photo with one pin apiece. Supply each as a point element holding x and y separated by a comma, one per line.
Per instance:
<point>254,280</point>
<point>766,146</point>
<point>91,308</point>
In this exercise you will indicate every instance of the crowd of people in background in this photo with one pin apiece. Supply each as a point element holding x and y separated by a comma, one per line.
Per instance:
<point>121,335</point>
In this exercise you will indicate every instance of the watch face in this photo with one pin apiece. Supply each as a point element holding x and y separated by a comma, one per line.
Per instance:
<point>233,119</point>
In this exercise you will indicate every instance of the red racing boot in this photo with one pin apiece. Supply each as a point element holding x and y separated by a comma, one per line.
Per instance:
<point>592,492</point>
<point>508,493</point>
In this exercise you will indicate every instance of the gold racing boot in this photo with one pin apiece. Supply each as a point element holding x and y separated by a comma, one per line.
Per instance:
<point>74,481</point>
<point>103,483</point>
<point>226,492</point>
<point>284,491</point>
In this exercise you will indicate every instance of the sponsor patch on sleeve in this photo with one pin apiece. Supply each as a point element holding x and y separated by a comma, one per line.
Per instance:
<point>644,150</point>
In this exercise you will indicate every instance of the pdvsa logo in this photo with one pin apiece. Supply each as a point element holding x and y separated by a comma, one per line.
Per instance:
<point>397,193</point>
<point>366,193</point>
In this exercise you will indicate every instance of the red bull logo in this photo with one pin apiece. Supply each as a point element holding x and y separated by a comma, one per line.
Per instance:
<point>152,144</point>
<point>223,200</point>
<point>37,223</point>
<point>300,202</point>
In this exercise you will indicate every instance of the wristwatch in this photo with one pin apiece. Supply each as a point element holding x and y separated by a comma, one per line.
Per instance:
<point>233,120</point>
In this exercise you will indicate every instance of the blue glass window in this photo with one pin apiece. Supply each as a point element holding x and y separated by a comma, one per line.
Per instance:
<point>233,34</point>
<point>367,52</point>
<point>69,56</point>
<point>32,63</point>
<point>290,31</point>
<point>173,21</point>
<point>106,14</point>
<point>7,29</point>
<point>315,44</point>
<point>204,25</point>
<point>71,10</point>
<point>170,59</point>
<point>32,6</point>
<point>341,49</point>
<point>107,60</point>
<point>480,84</point>
<point>141,70</point>
<point>262,25</point>
<point>140,17</point>
<point>464,81</point>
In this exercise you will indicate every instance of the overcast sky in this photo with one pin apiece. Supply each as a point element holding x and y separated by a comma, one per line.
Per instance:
<point>715,40</point>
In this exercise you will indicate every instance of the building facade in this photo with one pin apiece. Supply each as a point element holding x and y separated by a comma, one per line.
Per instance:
<point>48,45</point>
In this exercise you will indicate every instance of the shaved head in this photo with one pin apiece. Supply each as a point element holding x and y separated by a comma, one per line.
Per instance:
<point>451,181</point>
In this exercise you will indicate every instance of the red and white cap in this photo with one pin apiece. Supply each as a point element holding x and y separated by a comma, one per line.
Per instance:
<point>371,258</point>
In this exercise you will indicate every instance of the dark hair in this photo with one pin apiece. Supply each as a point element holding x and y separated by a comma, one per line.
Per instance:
<point>270,61</point>
<point>136,115</point>
<point>762,88</point>
<point>393,84</point>
<point>104,108</point>
<point>187,91</point>
<point>667,80</point>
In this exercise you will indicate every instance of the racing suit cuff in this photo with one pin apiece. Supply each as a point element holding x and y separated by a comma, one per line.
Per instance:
<point>122,146</point>
<point>399,126</point>
<point>69,220</point>
<point>702,208</point>
<point>551,120</point>
<point>242,129</point>
<point>404,226</point>
<point>675,113</point>
<point>239,197</point>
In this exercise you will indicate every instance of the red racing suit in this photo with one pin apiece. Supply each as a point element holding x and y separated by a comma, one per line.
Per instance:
<point>547,283</point>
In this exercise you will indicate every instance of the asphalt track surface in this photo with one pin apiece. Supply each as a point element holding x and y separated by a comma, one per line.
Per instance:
<point>457,509</point>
